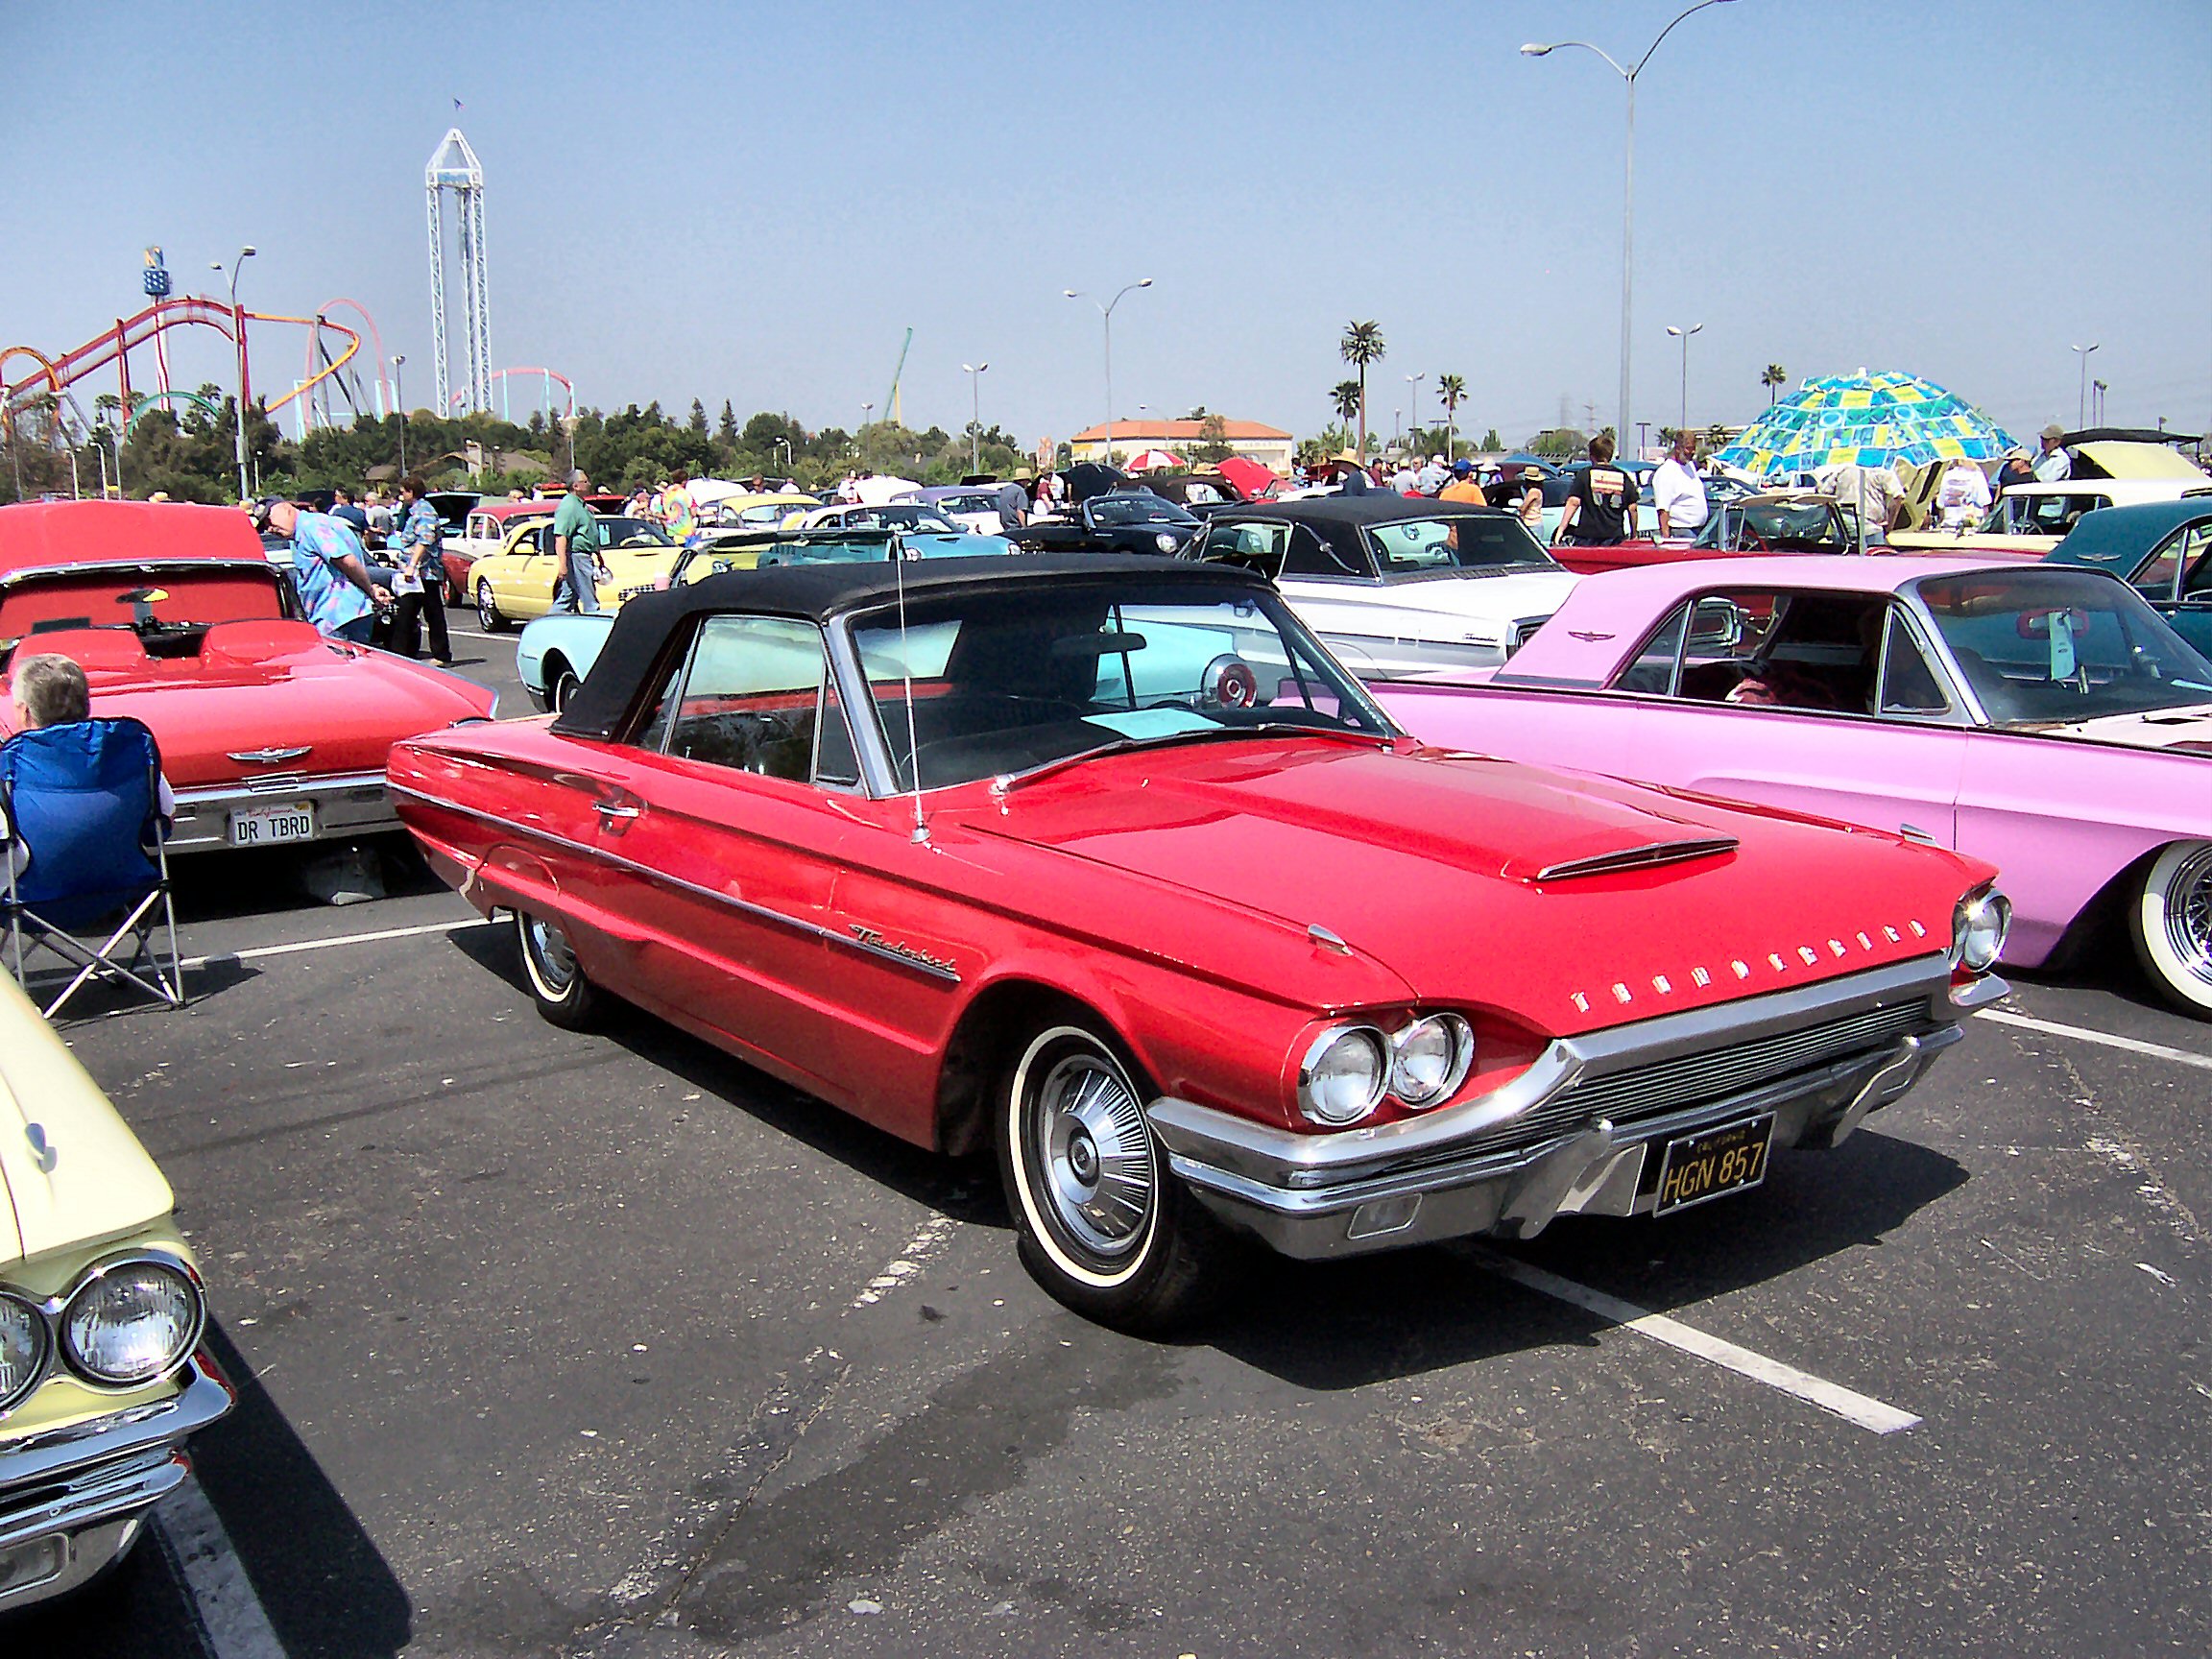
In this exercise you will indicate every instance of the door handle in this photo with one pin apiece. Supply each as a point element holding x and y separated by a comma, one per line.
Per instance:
<point>612,812</point>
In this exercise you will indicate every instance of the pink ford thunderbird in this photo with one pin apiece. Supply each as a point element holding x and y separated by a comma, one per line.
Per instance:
<point>2045,719</point>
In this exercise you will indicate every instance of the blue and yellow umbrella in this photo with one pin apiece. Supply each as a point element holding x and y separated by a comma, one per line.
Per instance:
<point>1874,420</point>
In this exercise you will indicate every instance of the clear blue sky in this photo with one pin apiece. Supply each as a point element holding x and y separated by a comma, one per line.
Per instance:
<point>754,202</point>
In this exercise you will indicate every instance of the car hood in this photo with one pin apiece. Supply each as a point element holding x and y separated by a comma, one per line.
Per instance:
<point>1448,871</point>
<point>2189,730</point>
<point>1499,600</point>
<point>70,1168</point>
<point>261,688</point>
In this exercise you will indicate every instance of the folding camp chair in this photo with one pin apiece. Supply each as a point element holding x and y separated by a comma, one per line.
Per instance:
<point>84,800</point>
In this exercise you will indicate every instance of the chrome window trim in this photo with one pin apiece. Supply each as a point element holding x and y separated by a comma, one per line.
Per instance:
<point>135,567</point>
<point>53,1310</point>
<point>1948,679</point>
<point>660,878</point>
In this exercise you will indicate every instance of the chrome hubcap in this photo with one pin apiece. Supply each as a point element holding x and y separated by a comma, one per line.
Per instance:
<point>549,952</point>
<point>2189,914</point>
<point>1095,1154</point>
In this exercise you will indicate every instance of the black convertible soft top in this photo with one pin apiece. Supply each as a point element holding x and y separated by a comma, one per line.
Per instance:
<point>818,594</point>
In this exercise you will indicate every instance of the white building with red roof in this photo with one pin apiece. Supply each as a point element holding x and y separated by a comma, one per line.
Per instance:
<point>1269,445</point>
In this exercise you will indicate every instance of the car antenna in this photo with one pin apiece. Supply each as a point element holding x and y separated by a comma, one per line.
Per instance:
<point>921,833</point>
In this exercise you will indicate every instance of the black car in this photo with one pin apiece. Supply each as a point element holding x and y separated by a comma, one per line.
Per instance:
<point>1121,521</point>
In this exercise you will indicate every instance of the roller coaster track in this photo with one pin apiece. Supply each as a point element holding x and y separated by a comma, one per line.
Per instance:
<point>112,348</point>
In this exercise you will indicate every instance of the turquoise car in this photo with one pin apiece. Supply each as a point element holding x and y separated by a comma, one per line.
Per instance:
<point>2162,548</point>
<point>556,652</point>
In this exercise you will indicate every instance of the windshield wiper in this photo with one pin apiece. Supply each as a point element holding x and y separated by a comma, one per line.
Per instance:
<point>1007,782</point>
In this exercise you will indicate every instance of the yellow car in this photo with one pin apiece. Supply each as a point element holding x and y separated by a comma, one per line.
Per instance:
<point>102,1376</point>
<point>516,582</point>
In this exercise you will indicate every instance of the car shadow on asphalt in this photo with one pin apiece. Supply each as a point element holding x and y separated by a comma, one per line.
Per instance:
<point>323,1585</point>
<point>1346,1324</point>
<point>963,1188</point>
<point>225,885</point>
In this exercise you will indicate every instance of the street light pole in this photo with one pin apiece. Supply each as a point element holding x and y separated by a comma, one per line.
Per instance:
<point>399,396</point>
<point>1683,335</point>
<point>238,338</point>
<point>2082,408</point>
<point>2097,388</point>
<point>1628,75</point>
<point>1106,314</point>
<point>1413,397</point>
<point>976,415</point>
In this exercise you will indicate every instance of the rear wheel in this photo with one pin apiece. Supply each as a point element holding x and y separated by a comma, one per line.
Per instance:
<point>556,983</point>
<point>561,684</point>
<point>2171,924</point>
<point>487,613</point>
<point>1102,1223</point>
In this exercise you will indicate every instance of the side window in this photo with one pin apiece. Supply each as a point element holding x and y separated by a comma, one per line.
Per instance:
<point>1908,685</point>
<point>653,730</point>
<point>1307,555</point>
<point>1254,546</point>
<point>2197,559</point>
<point>752,697</point>
<point>2156,578</point>
<point>1652,672</point>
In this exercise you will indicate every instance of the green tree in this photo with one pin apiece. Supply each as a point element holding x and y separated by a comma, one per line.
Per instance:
<point>698,421</point>
<point>1450,392</point>
<point>1362,344</point>
<point>1213,440</point>
<point>1347,399</point>
<point>1491,439</point>
<point>1773,379</point>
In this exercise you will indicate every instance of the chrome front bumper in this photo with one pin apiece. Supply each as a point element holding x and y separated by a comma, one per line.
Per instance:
<point>345,804</point>
<point>73,1500</point>
<point>1571,1134</point>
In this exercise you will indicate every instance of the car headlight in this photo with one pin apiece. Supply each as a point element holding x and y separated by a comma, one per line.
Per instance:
<point>23,1343</point>
<point>1164,541</point>
<point>1429,1059</point>
<point>1343,1075</point>
<point>1977,929</point>
<point>132,1323</point>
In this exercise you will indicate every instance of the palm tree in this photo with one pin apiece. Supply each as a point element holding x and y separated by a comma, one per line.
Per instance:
<point>1450,392</point>
<point>1363,345</point>
<point>1773,379</point>
<point>1345,396</point>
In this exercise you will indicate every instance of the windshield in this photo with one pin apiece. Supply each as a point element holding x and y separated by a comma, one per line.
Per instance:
<point>634,532</point>
<point>1425,546</point>
<point>1003,682</point>
<point>1798,526</point>
<point>1133,509</point>
<point>2049,647</point>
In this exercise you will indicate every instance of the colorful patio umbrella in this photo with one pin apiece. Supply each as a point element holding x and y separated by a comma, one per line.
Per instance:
<point>1153,461</point>
<point>1874,420</point>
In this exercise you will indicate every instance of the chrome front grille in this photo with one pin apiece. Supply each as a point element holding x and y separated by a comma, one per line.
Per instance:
<point>1655,1090</point>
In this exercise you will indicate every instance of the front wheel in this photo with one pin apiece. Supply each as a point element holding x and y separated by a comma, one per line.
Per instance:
<point>564,996</point>
<point>487,613</point>
<point>1103,1225</point>
<point>2171,924</point>
<point>561,691</point>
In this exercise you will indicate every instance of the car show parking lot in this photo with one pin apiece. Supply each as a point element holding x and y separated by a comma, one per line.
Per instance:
<point>605,1343</point>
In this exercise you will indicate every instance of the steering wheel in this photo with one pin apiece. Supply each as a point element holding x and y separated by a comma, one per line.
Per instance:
<point>1751,538</point>
<point>1228,683</point>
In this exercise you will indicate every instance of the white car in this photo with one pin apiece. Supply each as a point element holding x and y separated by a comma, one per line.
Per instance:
<point>1397,586</point>
<point>975,510</point>
<point>907,516</point>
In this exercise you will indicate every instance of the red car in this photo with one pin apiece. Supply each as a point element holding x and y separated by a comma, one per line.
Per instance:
<point>269,732</point>
<point>1105,864</point>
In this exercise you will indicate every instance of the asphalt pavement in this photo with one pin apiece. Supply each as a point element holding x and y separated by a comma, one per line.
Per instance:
<point>604,1344</point>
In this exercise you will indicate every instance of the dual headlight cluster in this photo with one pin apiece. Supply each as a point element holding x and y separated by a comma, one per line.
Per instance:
<point>1351,1069</point>
<point>127,1323</point>
<point>1977,929</point>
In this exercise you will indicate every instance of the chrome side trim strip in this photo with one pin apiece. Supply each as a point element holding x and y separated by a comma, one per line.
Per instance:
<point>878,952</point>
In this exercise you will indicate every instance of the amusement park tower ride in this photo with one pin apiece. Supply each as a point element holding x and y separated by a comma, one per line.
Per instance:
<point>454,167</point>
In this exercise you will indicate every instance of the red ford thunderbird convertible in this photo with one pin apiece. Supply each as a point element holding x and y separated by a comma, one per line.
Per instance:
<point>269,732</point>
<point>1106,864</point>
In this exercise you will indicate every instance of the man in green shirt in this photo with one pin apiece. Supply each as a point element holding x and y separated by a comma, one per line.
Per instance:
<point>576,543</point>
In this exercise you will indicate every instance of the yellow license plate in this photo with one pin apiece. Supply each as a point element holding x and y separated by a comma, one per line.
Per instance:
<point>1713,1165</point>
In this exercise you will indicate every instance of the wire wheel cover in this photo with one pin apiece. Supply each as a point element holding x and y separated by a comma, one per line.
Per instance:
<point>2188,911</point>
<point>1088,1142</point>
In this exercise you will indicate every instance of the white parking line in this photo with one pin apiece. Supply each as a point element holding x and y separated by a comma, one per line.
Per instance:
<point>2103,1039</point>
<point>260,950</point>
<point>1847,1403</point>
<point>232,1617</point>
<point>928,1240</point>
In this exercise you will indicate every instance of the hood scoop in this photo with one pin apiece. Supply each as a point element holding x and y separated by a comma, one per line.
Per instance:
<point>1643,857</point>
